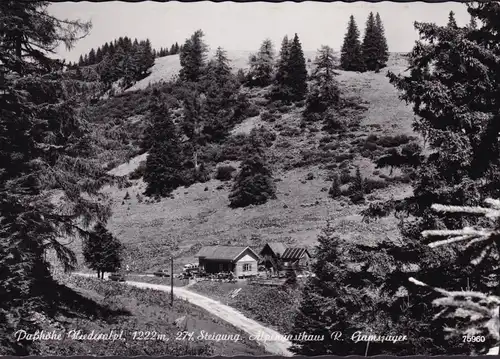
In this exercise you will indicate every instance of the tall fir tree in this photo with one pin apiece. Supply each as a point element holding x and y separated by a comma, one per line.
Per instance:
<point>370,45</point>
<point>262,65</point>
<point>92,58</point>
<point>45,149</point>
<point>351,57</point>
<point>102,251</point>
<point>281,79</point>
<point>253,183</point>
<point>383,49</point>
<point>324,92</point>
<point>193,57</point>
<point>452,22</point>
<point>457,113</point>
<point>297,70</point>
<point>163,172</point>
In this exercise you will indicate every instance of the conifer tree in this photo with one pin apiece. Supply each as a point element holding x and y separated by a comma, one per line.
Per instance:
<point>92,58</point>
<point>262,65</point>
<point>221,89</point>
<point>324,91</point>
<point>193,57</point>
<point>451,20</point>
<point>335,302</point>
<point>253,183</point>
<point>98,55</point>
<point>472,23</point>
<point>460,123</point>
<point>163,172</point>
<point>102,251</point>
<point>80,61</point>
<point>370,45</point>
<point>297,70</point>
<point>383,49</point>
<point>45,149</point>
<point>280,88</point>
<point>351,58</point>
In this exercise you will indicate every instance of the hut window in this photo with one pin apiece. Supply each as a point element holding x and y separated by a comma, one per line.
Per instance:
<point>247,267</point>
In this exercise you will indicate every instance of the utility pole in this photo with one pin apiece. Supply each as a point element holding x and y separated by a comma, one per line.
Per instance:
<point>172,281</point>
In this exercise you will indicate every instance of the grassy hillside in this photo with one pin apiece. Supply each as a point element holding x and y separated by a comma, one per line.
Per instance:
<point>106,306</point>
<point>303,157</point>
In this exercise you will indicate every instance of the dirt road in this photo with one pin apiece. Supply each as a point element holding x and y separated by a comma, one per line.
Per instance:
<point>270,339</point>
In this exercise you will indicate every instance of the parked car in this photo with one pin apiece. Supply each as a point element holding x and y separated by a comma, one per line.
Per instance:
<point>116,277</point>
<point>306,274</point>
<point>162,273</point>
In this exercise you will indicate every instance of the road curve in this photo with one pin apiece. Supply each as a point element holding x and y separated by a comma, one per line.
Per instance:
<point>270,339</point>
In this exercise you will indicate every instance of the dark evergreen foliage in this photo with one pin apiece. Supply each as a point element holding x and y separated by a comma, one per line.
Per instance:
<point>102,251</point>
<point>371,45</point>
<point>383,49</point>
<point>193,57</point>
<point>261,69</point>
<point>324,92</point>
<point>291,77</point>
<point>297,70</point>
<point>45,148</point>
<point>253,183</point>
<point>334,190</point>
<point>453,85</point>
<point>163,172</point>
<point>351,58</point>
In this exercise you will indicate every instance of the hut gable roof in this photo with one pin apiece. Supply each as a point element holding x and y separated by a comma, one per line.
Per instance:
<point>276,247</point>
<point>294,253</point>
<point>228,253</point>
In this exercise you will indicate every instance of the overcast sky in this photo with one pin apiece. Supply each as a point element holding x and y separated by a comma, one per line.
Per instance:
<point>243,26</point>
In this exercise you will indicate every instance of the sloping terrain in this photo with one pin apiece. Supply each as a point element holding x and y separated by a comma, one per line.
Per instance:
<point>302,158</point>
<point>167,67</point>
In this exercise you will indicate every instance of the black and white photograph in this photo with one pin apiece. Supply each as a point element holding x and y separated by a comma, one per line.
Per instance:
<point>249,178</point>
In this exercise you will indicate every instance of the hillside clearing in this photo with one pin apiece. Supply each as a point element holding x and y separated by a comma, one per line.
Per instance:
<point>199,215</point>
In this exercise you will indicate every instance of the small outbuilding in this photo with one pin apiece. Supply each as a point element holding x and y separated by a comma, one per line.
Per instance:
<point>271,253</point>
<point>242,261</point>
<point>296,258</point>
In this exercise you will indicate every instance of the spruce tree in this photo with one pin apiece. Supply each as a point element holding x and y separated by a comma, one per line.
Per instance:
<point>172,50</point>
<point>383,55</point>
<point>334,190</point>
<point>370,45</point>
<point>460,124</point>
<point>163,172</point>
<point>297,70</point>
<point>324,91</point>
<point>92,57</point>
<point>451,20</point>
<point>341,298</point>
<point>281,88</point>
<point>262,65</point>
<point>253,183</point>
<point>193,57</point>
<point>45,149</point>
<point>102,251</point>
<point>351,58</point>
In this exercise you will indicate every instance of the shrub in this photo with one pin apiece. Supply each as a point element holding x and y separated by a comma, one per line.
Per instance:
<point>252,111</point>
<point>224,173</point>
<point>138,172</point>
<point>371,185</point>
<point>345,176</point>
<point>269,117</point>
<point>290,131</point>
<point>394,141</point>
<point>334,190</point>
